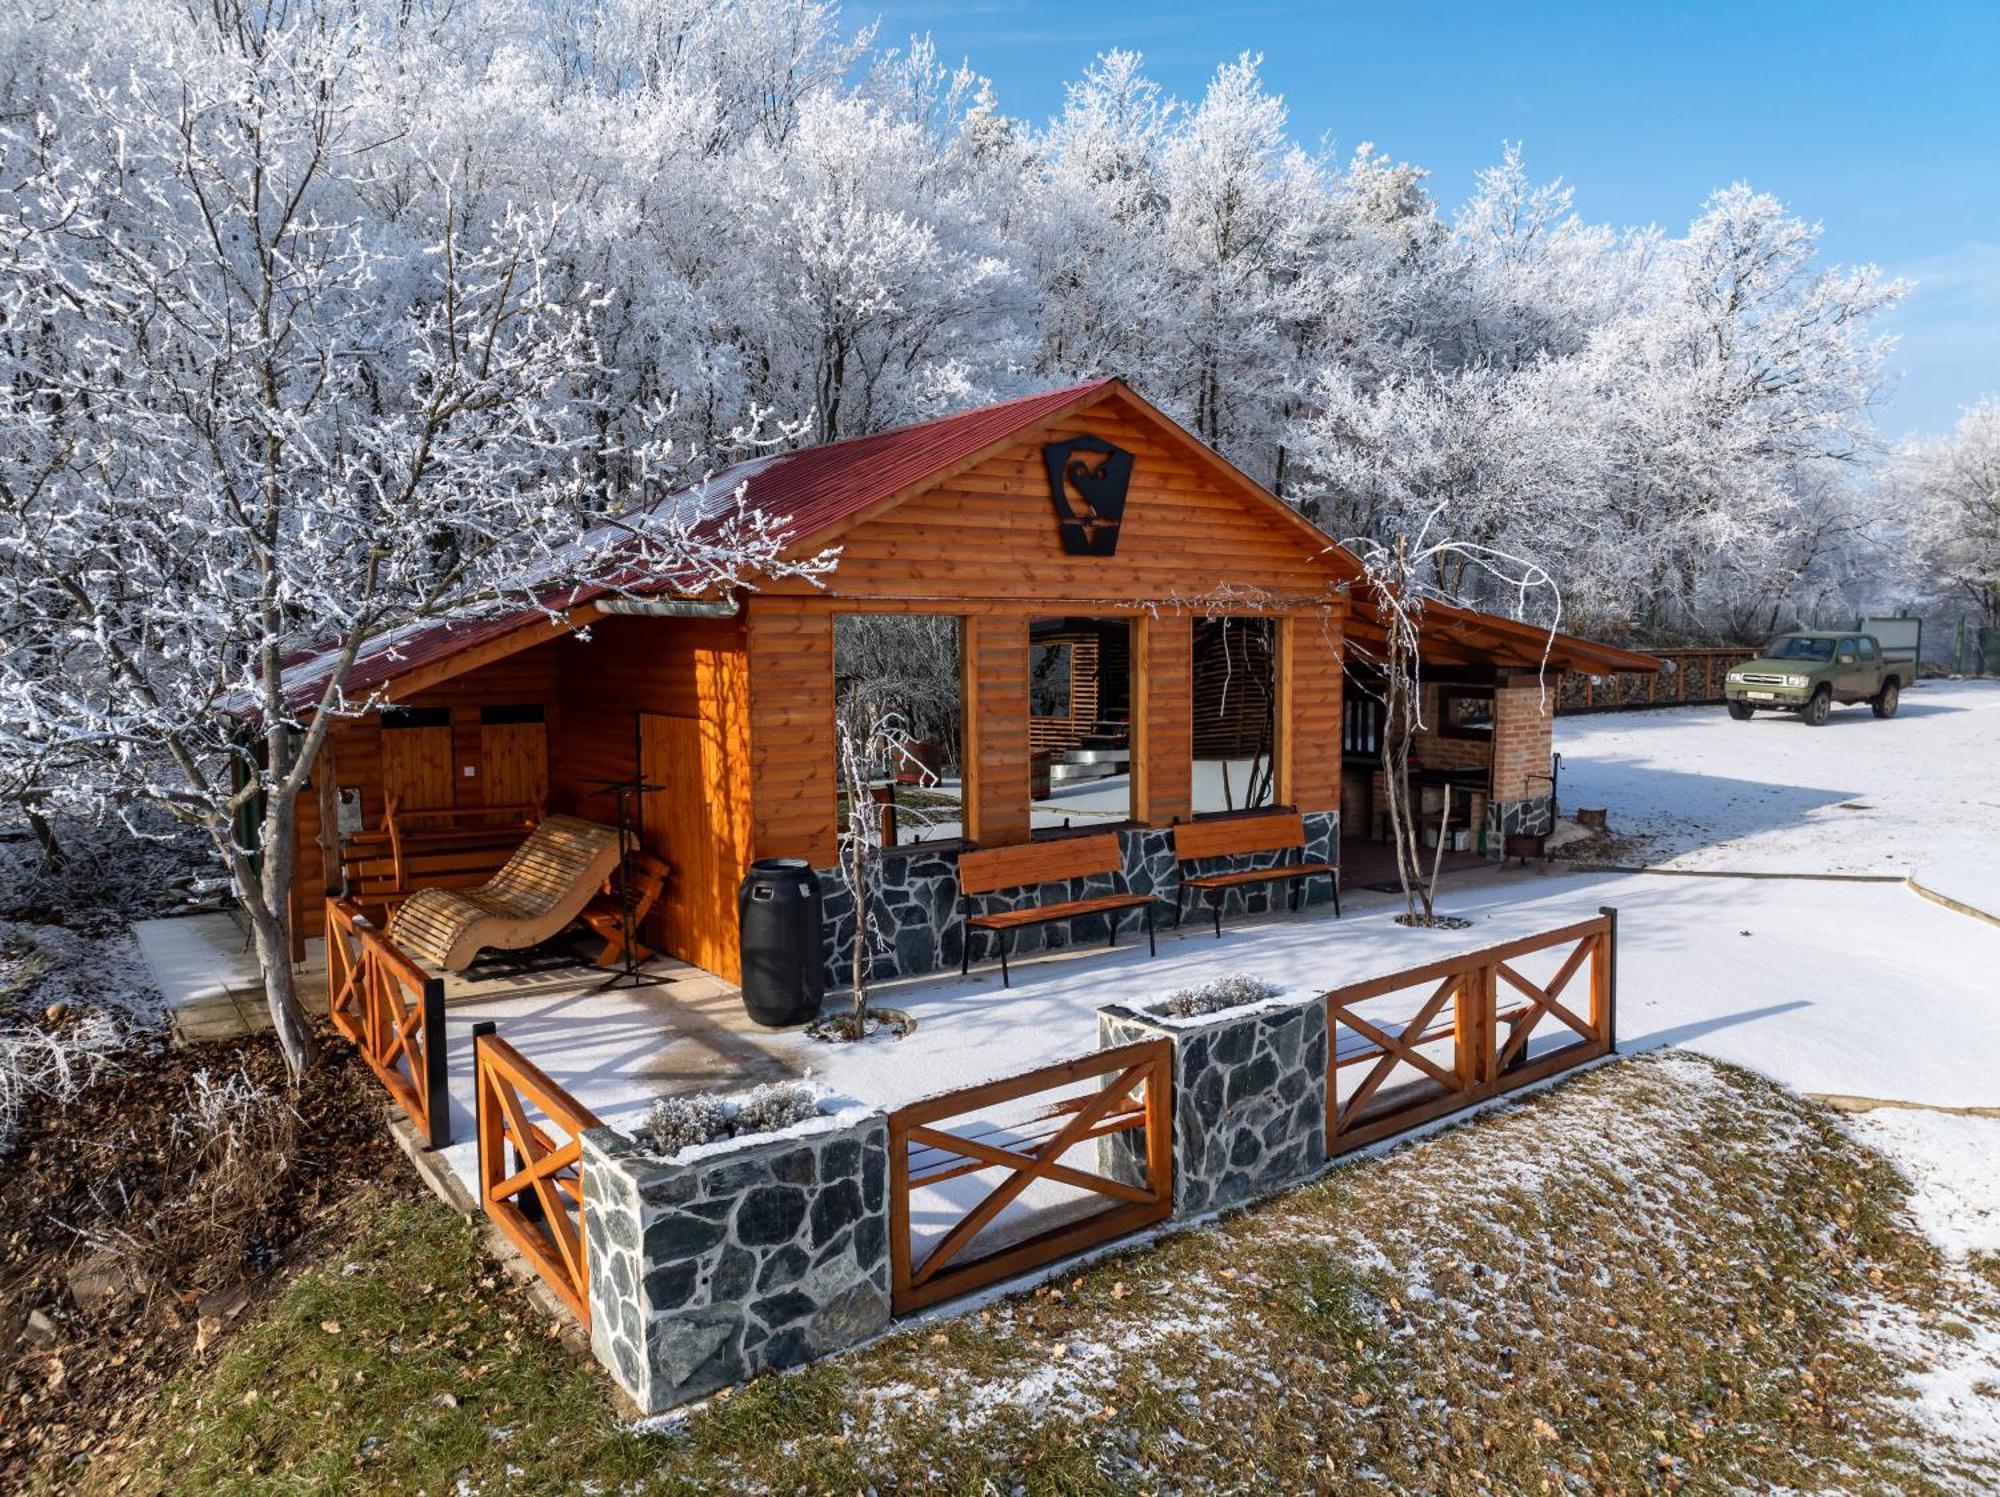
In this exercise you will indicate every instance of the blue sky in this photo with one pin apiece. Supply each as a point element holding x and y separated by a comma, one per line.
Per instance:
<point>1882,120</point>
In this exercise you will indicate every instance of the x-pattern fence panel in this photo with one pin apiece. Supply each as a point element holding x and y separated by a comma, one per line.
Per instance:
<point>393,1013</point>
<point>1417,1044</point>
<point>959,1135</point>
<point>530,1170</point>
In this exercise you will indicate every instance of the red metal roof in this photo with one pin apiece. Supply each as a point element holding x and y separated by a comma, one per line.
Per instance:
<point>813,491</point>
<point>808,492</point>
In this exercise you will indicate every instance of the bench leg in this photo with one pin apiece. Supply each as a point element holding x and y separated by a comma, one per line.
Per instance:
<point>1215,898</point>
<point>1298,892</point>
<point>1180,903</point>
<point>1112,944</point>
<point>1005,980</point>
<point>1152,945</point>
<point>1336,893</point>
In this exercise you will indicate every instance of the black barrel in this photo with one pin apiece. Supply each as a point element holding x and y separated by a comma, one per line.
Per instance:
<point>784,975</point>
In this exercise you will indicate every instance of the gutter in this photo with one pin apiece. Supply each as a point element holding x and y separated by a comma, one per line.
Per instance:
<point>670,608</point>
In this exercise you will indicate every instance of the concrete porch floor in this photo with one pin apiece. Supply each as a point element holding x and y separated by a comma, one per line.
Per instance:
<point>616,1049</point>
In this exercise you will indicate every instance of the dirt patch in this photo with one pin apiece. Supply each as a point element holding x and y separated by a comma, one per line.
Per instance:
<point>137,1235</point>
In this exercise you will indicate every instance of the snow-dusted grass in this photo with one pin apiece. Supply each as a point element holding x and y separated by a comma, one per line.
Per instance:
<point>1658,1274</point>
<point>1688,788</point>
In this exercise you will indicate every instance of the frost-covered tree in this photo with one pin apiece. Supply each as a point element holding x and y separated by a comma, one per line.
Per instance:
<point>243,421</point>
<point>1953,486</point>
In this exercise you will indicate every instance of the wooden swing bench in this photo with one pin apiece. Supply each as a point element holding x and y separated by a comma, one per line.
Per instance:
<point>548,883</point>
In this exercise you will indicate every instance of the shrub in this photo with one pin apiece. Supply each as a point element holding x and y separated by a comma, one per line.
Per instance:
<point>56,1064</point>
<point>678,1123</point>
<point>1236,990</point>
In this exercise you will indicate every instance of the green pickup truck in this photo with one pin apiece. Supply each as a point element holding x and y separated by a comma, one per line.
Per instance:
<point>1809,672</point>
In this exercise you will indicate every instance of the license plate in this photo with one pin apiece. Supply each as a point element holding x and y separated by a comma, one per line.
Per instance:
<point>1761,696</point>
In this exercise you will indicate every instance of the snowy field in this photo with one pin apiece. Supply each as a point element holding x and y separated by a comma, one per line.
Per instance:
<point>1688,788</point>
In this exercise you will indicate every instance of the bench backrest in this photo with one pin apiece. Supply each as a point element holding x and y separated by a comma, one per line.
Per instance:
<point>1038,863</point>
<point>1234,834</point>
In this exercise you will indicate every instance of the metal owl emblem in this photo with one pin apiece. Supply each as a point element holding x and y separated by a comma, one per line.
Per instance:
<point>1088,478</point>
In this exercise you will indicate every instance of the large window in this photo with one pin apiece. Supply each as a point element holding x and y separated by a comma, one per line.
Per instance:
<point>1235,714</point>
<point>909,665</point>
<point>1079,723</point>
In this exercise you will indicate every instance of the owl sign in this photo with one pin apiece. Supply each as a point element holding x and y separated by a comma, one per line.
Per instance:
<point>1087,479</point>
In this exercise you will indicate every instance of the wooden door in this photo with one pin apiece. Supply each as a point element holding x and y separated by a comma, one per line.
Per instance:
<point>691,824</point>
<point>416,766</point>
<point>514,762</point>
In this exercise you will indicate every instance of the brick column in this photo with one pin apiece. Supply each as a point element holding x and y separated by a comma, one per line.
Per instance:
<point>1523,740</point>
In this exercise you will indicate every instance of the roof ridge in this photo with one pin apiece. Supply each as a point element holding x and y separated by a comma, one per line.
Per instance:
<point>972,410</point>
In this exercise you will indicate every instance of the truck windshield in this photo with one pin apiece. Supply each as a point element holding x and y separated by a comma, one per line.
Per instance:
<point>1791,647</point>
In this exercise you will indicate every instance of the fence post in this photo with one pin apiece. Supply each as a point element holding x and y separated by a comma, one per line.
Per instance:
<point>1609,979</point>
<point>437,1088</point>
<point>485,1128</point>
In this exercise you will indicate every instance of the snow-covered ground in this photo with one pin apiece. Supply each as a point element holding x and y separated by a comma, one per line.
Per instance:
<point>1693,789</point>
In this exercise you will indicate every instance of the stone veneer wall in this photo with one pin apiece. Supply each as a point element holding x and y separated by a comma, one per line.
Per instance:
<point>765,1256</point>
<point>1249,1102</point>
<point>919,928</point>
<point>1535,814</point>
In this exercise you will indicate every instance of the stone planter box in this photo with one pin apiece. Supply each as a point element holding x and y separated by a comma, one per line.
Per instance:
<point>1249,1099</point>
<point>761,1252</point>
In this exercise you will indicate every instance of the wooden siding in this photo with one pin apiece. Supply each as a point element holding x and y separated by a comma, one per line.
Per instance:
<point>794,773</point>
<point>990,534</point>
<point>1162,700</point>
<point>996,765</point>
<point>1309,681</point>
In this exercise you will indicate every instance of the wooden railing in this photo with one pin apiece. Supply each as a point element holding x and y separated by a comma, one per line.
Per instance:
<point>1470,1034</point>
<point>393,1011</point>
<point>1135,1094</point>
<point>531,1180</point>
<point>1686,677</point>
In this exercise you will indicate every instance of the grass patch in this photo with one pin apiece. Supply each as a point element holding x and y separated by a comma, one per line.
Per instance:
<point>1660,1275</point>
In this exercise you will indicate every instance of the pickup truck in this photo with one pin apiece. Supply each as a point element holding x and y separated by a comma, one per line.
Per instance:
<point>1809,672</point>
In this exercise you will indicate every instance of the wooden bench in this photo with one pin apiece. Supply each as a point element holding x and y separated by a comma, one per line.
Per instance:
<point>1285,831</point>
<point>1053,861</point>
<point>431,849</point>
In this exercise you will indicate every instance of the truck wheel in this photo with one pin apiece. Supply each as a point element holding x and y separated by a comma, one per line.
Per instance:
<point>1813,714</point>
<point>1742,711</point>
<point>1884,701</point>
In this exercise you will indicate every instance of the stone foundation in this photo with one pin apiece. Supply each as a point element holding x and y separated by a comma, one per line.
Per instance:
<point>920,928</point>
<point>1249,1101</point>
<point>762,1256</point>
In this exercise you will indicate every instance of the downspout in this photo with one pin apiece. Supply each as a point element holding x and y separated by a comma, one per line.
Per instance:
<point>671,608</point>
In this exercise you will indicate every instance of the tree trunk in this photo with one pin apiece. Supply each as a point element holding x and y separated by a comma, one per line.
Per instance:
<point>270,922</point>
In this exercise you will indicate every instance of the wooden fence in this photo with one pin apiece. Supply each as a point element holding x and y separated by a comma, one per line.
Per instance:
<point>1483,1011</point>
<point>1135,1094</point>
<point>531,1180</point>
<point>1685,677</point>
<point>393,1012</point>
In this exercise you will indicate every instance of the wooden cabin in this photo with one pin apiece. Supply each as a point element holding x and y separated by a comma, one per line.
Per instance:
<point>1081,517</point>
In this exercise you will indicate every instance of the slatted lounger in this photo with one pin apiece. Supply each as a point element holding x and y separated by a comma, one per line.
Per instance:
<point>543,887</point>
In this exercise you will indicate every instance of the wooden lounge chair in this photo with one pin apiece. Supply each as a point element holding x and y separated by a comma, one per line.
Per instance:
<point>539,891</point>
